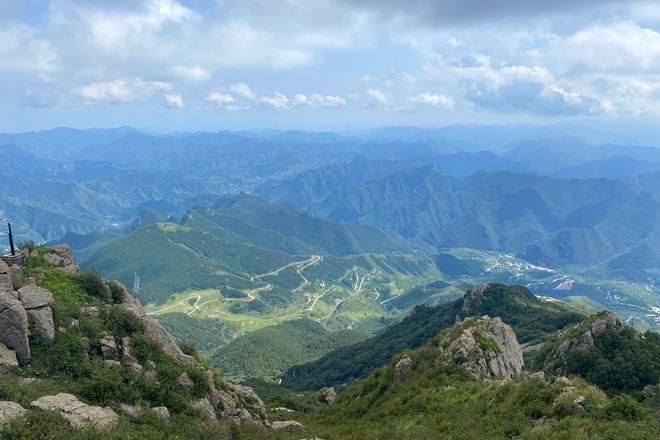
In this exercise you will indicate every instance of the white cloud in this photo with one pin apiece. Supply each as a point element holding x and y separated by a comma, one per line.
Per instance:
<point>621,47</point>
<point>174,101</point>
<point>120,90</point>
<point>434,100</point>
<point>22,50</point>
<point>277,101</point>
<point>378,95</point>
<point>318,100</point>
<point>191,73</point>
<point>220,99</point>
<point>242,90</point>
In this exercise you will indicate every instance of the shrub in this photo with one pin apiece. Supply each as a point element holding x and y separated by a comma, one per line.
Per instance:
<point>94,285</point>
<point>623,408</point>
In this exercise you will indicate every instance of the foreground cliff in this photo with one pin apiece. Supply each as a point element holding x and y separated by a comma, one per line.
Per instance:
<point>78,353</point>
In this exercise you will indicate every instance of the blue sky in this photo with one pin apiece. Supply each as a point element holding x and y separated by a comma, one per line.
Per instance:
<point>202,65</point>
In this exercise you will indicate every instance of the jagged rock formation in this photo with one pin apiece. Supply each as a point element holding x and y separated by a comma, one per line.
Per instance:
<point>79,414</point>
<point>328,395</point>
<point>580,337</point>
<point>403,369</point>
<point>485,347</point>
<point>61,257</point>
<point>6,284</point>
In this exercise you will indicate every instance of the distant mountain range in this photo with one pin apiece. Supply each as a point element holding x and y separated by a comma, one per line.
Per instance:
<point>549,221</point>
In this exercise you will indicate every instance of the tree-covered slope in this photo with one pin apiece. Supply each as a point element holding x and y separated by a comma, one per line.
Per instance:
<point>531,318</point>
<point>266,353</point>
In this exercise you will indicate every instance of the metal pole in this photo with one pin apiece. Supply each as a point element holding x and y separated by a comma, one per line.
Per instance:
<point>11,240</point>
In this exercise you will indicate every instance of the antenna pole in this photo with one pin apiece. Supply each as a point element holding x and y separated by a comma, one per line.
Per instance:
<point>11,240</point>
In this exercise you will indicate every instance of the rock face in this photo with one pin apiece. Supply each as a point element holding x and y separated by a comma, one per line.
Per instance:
<point>586,332</point>
<point>403,369</point>
<point>61,256</point>
<point>108,347</point>
<point>6,283</point>
<point>205,408</point>
<point>14,327</point>
<point>79,414</point>
<point>155,332</point>
<point>8,359</point>
<point>37,302</point>
<point>328,395</point>
<point>485,347</point>
<point>10,411</point>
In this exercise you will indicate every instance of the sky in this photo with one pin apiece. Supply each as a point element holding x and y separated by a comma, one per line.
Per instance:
<point>184,65</point>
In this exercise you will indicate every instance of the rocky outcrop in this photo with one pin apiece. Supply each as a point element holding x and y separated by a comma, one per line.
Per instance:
<point>79,414</point>
<point>328,395</point>
<point>581,337</point>
<point>14,328</point>
<point>36,302</point>
<point>184,381</point>
<point>403,369</point>
<point>485,347</point>
<point>108,347</point>
<point>10,411</point>
<point>155,333</point>
<point>61,257</point>
<point>8,359</point>
<point>205,408</point>
<point>473,296</point>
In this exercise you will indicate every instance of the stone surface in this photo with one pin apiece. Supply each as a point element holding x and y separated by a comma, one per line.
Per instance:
<point>40,322</point>
<point>61,256</point>
<point>485,347</point>
<point>6,283</point>
<point>287,425</point>
<point>403,369</point>
<point>33,297</point>
<point>162,412</point>
<point>14,329</point>
<point>127,356</point>
<point>185,381</point>
<point>205,408</point>
<point>108,347</point>
<point>112,363</point>
<point>133,411</point>
<point>328,395</point>
<point>10,411</point>
<point>8,359</point>
<point>79,414</point>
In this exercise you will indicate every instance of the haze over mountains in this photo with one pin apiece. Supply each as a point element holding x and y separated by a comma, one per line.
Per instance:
<point>297,261</point>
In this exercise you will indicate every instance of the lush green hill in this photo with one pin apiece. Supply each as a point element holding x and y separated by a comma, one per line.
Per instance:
<point>266,353</point>
<point>438,400</point>
<point>531,318</point>
<point>605,352</point>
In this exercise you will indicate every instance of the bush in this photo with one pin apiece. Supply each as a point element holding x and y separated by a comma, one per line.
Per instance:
<point>94,285</point>
<point>623,408</point>
<point>27,245</point>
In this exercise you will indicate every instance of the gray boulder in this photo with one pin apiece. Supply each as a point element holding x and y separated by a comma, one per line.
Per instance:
<point>79,414</point>
<point>8,359</point>
<point>10,411</point>
<point>14,327</point>
<point>485,347</point>
<point>162,412</point>
<point>61,257</point>
<point>185,381</point>
<point>132,411</point>
<point>287,425</point>
<point>37,302</point>
<point>127,356</point>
